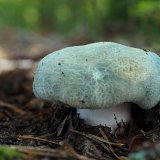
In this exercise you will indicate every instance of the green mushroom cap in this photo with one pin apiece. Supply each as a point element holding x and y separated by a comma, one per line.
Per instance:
<point>99,75</point>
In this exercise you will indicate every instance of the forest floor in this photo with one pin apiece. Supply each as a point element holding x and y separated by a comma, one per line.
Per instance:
<point>44,131</point>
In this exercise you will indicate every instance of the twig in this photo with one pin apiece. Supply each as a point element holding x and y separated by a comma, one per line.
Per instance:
<point>105,141</point>
<point>39,151</point>
<point>30,137</point>
<point>90,137</point>
<point>110,147</point>
<point>55,153</point>
<point>12,107</point>
<point>47,135</point>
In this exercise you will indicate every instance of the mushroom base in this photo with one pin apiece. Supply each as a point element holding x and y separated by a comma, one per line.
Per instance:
<point>107,116</point>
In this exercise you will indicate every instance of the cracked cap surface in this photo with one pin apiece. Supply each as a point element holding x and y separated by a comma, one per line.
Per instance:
<point>99,75</point>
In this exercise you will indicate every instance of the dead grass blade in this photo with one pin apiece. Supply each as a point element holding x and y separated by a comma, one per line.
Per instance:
<point>11,107</point>
<point>30,137</point>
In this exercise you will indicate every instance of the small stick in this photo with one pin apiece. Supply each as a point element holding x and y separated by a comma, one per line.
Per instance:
<point>110,147</point>
<point>12,107</point>
<point>55,153</point>
<point>91,136</point>
<point>36,138</point>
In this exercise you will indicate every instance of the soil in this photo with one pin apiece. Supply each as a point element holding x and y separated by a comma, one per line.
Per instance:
<point>44,130</point>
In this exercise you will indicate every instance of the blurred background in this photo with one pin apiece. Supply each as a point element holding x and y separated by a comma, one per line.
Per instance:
<point>31,29</point>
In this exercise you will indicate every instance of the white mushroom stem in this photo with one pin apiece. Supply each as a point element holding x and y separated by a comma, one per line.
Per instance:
<point>106,116</point>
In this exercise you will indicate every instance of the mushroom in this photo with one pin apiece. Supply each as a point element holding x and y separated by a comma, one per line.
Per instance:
<point>100,80</point>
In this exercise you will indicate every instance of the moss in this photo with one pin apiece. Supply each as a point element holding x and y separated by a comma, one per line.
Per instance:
<point>9,153</point>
